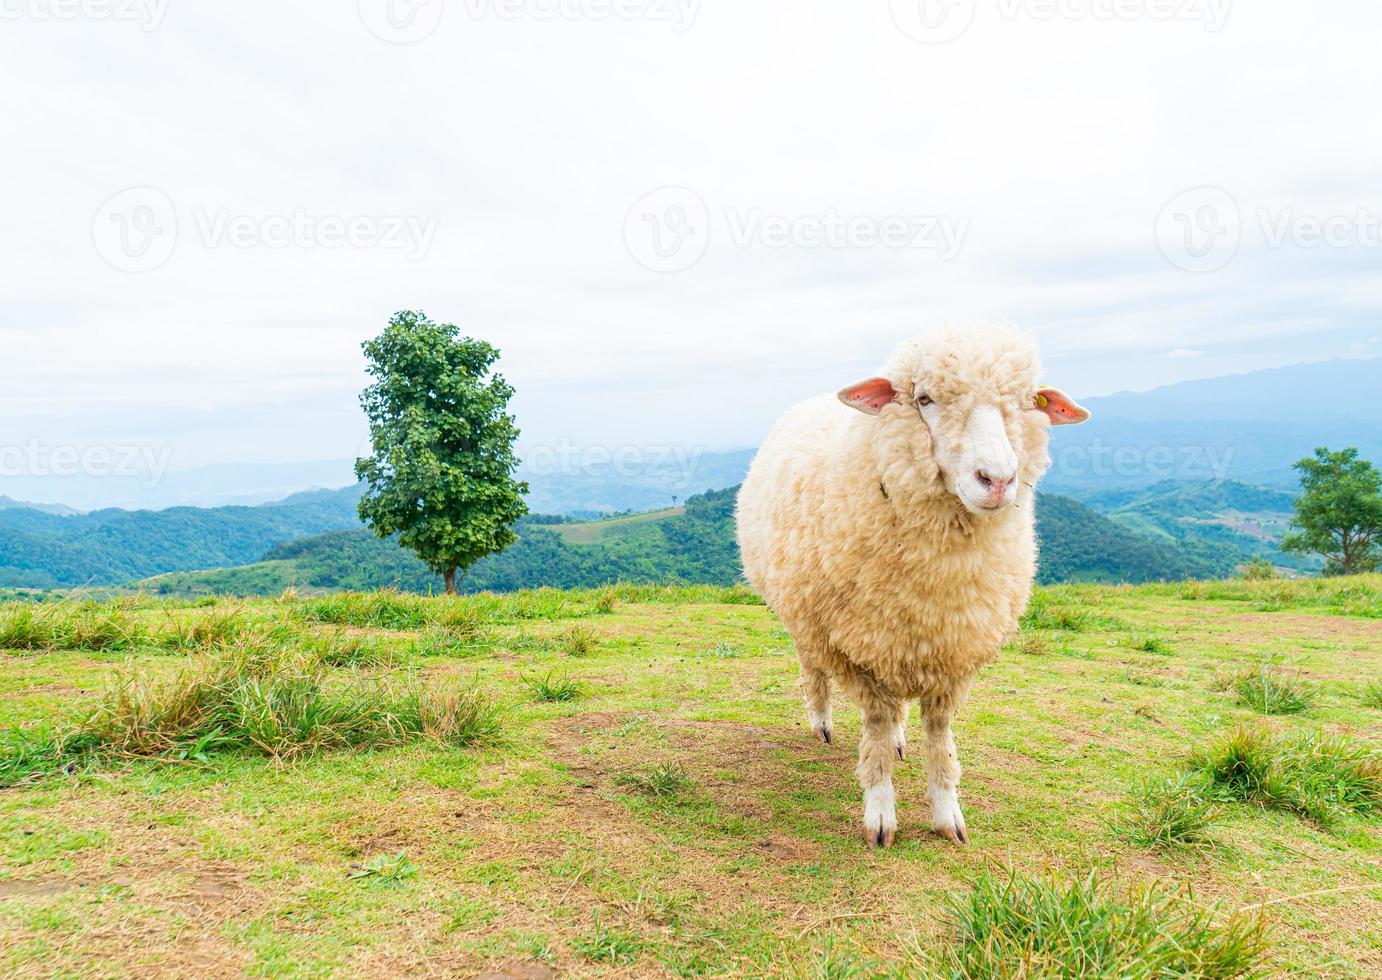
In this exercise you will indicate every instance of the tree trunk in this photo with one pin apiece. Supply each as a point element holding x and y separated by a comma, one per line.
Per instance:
<point>450,576</point>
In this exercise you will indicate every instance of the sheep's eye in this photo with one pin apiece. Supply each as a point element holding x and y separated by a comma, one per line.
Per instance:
<point>924,400</point>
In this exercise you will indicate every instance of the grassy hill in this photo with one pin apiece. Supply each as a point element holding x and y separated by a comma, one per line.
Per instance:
<point>647,801</point>
<point>691,544</point>
<point>1232,519</point>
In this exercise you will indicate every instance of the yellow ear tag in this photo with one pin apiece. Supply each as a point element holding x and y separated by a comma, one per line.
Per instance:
<point>1042,401</point>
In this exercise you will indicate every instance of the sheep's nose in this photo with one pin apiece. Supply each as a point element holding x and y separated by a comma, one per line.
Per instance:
<point>995,486</point>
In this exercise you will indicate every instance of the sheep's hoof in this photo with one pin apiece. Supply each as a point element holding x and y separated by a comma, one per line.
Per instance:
<point>820,724</point>
<point>946,817</point>
<point>880,816</point>
<point>882,837</point>
<point>956,835</point>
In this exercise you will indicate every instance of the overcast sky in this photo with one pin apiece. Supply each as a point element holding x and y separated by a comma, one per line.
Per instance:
<point>674,217</point>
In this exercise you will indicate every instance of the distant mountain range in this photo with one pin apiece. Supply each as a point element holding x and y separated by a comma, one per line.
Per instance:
<point>39,549</point>
<point>1149,470</point>
<point>1249,427</point>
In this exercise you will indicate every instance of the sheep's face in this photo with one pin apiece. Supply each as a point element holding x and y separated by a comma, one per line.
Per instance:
<point>968,408</point>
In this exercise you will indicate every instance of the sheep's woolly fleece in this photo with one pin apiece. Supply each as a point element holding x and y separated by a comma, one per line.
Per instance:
<point>848,531</point>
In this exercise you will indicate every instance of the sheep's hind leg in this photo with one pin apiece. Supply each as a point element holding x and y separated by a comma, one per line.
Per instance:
<point>943,778</point>
<point>815,692</point>
<point>878,753</point>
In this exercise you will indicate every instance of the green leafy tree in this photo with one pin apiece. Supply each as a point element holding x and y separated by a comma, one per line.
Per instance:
<point>1339,511</point>
<point>440,474</point>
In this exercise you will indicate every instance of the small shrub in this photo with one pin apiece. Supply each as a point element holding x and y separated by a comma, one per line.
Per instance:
<point>1317,776</point>
<point>1258,569</point>
<point>1033,644</point>
<point>578,641</point>
<point>660,782</point>
<point>725,651</point>
<point>217,629</point>
<point>1272,691</point>
<point>555,689</point>
<point>1151,644</point>
<point>342,649</point>
<point>1170,813</point>
<point>385,869</point>
<point>607,601</point>
<point>1016,926</point>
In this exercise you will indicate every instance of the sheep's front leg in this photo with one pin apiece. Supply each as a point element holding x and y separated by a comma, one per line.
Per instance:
<point>878,753</point>
<point>943,778</point>
<point>815,693</point>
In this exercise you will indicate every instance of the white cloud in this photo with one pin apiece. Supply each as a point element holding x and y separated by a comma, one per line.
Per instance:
<point>1185,352</point>
<point>527,142</point>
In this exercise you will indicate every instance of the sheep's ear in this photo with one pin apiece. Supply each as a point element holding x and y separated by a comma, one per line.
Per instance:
<point>868,396</point>
<point>1060,408</point>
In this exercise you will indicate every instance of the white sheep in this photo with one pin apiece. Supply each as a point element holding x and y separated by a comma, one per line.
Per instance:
<point>895,539</point>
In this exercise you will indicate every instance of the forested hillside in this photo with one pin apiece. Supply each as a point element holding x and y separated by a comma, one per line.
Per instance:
<point>697,546</point>
<point>106,547</point>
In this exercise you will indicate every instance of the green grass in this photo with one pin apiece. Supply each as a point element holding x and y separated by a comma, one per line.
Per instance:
<point>70,626</point>
<point>578,641</point>
<point>259,699</point>
<point>385,869</point>
<point>1015,925</point>
<point>1168,813</point>
<point>591,532</point>
<point>554,689</point>
<point>321,786</point>
<point>1322,777</point>
<point>1269,689</point>
<point>1371,695</point>
<point>661,782</point>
